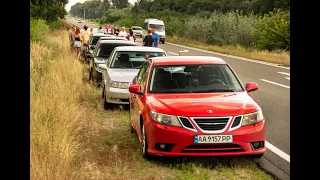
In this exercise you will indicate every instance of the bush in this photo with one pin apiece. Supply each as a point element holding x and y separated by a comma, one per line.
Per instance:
<point>273,30</point>
<point>38,28</point>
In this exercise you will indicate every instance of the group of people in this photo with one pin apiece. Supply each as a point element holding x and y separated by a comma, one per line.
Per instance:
<point>79,39</point>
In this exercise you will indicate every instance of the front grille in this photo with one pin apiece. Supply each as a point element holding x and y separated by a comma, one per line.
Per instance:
<point>213,148</point>
<point>212,124</point>
<point>186,122</point>
<point>236,121</point>
<point>124,100</point>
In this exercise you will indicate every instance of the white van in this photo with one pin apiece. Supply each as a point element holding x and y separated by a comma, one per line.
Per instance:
<point>158,25</point>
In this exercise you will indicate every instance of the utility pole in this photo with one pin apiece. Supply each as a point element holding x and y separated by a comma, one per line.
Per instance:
<point>84,14</point>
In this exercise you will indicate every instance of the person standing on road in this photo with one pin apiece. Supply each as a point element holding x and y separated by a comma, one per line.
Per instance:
<point>71,36</point>
<point>116,30</point>
<point>123,32</point>
<point>155,37</point>
<point>148,40</point>
<point>85,36</point>
<point>77,42</point>
<point>131,36</point>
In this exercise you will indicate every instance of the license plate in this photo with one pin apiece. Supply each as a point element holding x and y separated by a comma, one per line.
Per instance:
<point>212,139</point>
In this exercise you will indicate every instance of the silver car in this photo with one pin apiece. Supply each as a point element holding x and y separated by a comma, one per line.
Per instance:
<point>123,65</point>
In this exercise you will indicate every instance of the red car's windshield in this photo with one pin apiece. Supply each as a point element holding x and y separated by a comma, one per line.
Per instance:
<point>193,79</point>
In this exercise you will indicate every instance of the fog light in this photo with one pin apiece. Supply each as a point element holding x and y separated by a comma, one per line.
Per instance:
<point>163,147</point>
<point>257,145</point>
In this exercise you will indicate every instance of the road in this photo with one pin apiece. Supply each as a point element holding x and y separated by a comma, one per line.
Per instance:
<point>273,96</point>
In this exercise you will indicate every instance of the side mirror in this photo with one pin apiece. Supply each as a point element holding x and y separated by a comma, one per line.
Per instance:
<point>102,66</point>
<point>251,86</point>
<point>136,89</point>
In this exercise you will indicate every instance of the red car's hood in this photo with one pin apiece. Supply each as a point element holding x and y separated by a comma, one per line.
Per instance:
<point>222,104</point>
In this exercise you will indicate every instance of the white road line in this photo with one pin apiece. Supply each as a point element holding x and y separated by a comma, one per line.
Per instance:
<point>278,151</point>
<point>231,56</point>
<point>288,74</point>
<point>275,83</point>
<point>287,78</point>
<point>174,53</point>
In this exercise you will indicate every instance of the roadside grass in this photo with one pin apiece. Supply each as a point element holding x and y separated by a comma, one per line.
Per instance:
<point>278,57</point>
<point>72,137</point>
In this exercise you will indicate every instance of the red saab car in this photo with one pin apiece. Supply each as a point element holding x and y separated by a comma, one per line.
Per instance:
<point>194,106</point>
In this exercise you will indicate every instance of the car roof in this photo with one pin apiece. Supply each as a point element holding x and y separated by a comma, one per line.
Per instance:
<point>183,60</point>
<point>137,26</point>
<point>116,42</point>
<point>112,37</point>
<point>138,48</point>
<point>102,35</point>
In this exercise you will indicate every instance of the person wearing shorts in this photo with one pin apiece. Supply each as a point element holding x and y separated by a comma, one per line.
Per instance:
<point>85,36</point>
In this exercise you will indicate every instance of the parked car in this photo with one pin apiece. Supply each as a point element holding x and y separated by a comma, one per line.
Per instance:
<point>195,106</point>
<point>111,37</point>
<point>93,41</point>
<point>123,65</point>
<point>137,30</point>
<point>79,21</point>
<point>101,55</point>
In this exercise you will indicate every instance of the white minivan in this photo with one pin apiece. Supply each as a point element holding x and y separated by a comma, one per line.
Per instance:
<point>158,25</point>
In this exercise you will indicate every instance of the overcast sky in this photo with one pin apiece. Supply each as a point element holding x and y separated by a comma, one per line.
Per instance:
<point>72,2</point>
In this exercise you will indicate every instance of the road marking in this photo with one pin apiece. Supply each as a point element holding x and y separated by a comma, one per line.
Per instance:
<point>174,53</point>
<point>287,78</point>
<point>231,56</point>
<point>288,74</point>
<point>278,151</point>
<point>275,83</point>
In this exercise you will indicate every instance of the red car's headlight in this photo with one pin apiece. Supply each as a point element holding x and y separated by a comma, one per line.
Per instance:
<point>252,118</point>
<point>165,119</point>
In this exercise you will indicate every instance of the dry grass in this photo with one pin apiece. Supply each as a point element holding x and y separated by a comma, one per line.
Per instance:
<point>73,137</point>
<point>282,57</point>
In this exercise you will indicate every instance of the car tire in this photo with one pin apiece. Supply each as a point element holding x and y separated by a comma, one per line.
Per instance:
<point>102,91</point>
<point>257,156</point>
<point>90,73</point>
<point>106,105</point>
<point>145,153</point>
<point>130,120</point>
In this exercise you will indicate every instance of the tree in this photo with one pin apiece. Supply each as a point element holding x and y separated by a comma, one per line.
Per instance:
<point>120,4</point>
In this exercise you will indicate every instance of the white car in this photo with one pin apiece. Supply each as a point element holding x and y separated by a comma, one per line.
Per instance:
<point>79,21</point>
<point>137,30</point>
<point>123,65</point>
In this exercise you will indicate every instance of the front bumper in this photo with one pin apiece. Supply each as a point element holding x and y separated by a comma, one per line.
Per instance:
<point>183,141</point>
<point>117,95</point>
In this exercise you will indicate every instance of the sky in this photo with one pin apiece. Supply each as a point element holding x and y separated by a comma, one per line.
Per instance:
<point>72,2</point>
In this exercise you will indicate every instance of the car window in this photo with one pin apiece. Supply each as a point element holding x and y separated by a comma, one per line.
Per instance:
<point>132,59</point>
<point>107,48</point>
<point>143,75</point>
<point>194,79</point>
<point>110,57</point>
<point>96,50</point>
<point>136,28</point>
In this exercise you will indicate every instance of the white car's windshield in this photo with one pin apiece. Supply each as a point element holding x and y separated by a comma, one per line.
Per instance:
<point>193,79</point>
<point>132,59</point>
<point>157,27</point>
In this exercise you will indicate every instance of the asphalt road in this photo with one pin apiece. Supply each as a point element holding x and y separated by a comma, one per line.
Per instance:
<point>273,96</point>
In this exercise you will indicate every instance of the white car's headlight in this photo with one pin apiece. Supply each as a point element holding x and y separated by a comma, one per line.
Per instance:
<point>165,119</point>
<point>121,85</point>
<point>252,118</point>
